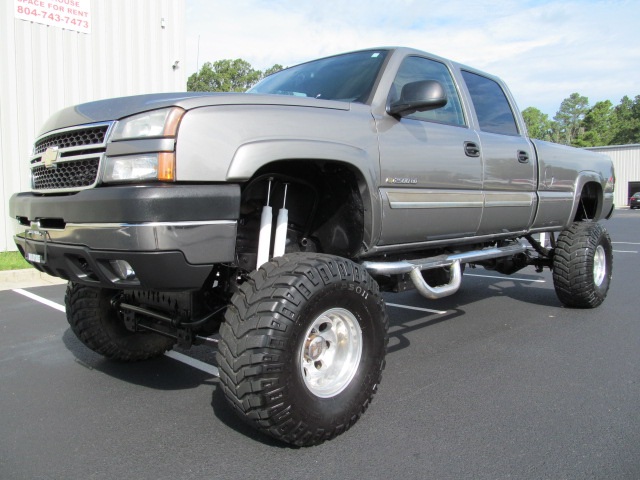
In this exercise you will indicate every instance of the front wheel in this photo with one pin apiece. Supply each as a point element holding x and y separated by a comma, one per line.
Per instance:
<point>582,265</point>
<point>302,347</point>
<point>96,324</point>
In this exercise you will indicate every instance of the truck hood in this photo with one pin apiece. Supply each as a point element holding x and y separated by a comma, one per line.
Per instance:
<point>117,108</point>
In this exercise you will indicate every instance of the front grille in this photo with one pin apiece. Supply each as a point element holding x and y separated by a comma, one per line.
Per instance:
<point>66,175</point>
<point>72,138</point>
<point>77,163</point>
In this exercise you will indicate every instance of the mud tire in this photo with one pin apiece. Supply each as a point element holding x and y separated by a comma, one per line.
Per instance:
<point>97,325</point>
<point>582,265</point>
<point>266,335</point>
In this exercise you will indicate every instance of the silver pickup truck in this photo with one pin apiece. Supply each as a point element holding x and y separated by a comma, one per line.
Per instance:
<point>268,223</point>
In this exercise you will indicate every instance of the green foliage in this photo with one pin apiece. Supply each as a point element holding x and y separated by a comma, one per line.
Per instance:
<point>538,123</point>
<point>570,117</point>
<point>270,71</point>
<point>627,121</point>
<point>597,126</point>
<point>12,261</point>
<point>227,76</point>
<point>578,124</point>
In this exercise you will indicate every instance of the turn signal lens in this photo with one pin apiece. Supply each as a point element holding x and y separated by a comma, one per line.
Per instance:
<point>166,166</point>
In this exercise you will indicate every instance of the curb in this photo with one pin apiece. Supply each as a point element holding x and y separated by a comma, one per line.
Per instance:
<point>26,278</point>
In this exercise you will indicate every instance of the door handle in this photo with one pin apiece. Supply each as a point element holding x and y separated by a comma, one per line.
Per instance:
<point>523,157</point>
<point>471,149</point>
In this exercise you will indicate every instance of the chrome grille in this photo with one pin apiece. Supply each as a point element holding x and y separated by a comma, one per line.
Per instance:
<point>77,163</point>
<point>66,175</point>
<point>72,138</point>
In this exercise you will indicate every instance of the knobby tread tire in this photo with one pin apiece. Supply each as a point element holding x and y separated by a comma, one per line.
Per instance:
<point>97,325</point>
<point>573,265</point>
<point>261,338</point>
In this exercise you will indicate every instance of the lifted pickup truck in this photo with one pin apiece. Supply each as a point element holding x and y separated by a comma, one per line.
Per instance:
<point>269,222</point>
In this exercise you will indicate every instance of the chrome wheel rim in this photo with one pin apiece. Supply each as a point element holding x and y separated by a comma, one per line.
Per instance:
<point>599,265</point>
<point>331,352</point>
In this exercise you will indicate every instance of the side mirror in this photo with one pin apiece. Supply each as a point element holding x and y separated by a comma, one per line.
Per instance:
<point>419,97</point>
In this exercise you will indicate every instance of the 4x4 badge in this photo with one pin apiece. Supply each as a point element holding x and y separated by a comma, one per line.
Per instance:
<point>50,157</point>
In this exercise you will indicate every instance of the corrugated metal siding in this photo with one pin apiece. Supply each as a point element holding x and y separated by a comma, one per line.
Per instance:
<point>44,69</point>
<point>626,161</point>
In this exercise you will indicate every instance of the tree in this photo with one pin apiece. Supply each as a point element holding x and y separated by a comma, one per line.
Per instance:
<point>569,118</point>
<point>597,126</point>
<point>538,123</point>
<point>626,121</point>
<point>270,71</point>
<point>227,76</point>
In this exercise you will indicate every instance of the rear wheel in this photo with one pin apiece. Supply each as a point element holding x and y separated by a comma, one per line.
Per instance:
<point>302,347</point>
<point>96,324</point>
<point>582,265</point>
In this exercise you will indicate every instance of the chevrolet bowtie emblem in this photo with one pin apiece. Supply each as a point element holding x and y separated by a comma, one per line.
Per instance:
<point>50,157</point>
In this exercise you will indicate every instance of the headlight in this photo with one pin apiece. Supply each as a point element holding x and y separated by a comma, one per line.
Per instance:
<point>131,168</point>
<point>157,123</point>
<point>147,166</point>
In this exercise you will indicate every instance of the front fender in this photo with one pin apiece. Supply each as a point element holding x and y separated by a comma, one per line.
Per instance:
<point>251,157</point>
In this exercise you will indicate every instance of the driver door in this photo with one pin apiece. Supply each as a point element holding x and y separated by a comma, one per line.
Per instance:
<point>431,173</point>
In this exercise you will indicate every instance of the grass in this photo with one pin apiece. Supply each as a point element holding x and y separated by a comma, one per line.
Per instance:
<point>12,261</point>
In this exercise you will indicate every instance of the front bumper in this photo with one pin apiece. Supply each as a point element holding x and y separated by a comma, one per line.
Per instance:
<point>170,235</point>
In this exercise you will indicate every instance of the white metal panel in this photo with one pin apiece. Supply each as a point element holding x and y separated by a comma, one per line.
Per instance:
<point>9,145</point>
<point>44,69</point>
<point>626,161</point>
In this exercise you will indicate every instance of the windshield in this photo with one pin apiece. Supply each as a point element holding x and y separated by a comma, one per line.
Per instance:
<point>348,78</point>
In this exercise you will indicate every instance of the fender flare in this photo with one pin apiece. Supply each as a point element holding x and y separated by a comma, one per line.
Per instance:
<point>585,177</point>
<point>252,156</point>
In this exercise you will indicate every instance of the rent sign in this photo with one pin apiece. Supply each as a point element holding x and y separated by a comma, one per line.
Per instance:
<point>69,14</point>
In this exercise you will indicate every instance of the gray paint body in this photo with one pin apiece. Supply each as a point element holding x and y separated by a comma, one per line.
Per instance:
<point>419,187</point>
<point>453,197</point>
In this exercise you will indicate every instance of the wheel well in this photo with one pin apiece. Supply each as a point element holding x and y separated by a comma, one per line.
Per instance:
<point>590,202</point>
<point>324,203</point>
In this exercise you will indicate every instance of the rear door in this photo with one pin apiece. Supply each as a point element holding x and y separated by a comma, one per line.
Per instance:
<point>509,177</point>
<point>431,175</point>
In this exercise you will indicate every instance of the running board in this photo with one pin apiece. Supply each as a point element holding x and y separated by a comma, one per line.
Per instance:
<point>415,267</point>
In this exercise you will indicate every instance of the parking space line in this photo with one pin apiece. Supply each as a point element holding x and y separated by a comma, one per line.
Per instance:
<point>408,307</point>
<point>505,278</point>
<point>40,299</point>
<point>625,251</point>
<point>192,362</point>
<point>627,243</point>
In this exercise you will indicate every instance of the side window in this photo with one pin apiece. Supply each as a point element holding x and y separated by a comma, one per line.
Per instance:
<point>491,105</point>
<point>414,69</point>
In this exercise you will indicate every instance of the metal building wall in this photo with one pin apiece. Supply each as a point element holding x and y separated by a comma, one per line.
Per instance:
<point>626,161</point>
<point>132,49</point>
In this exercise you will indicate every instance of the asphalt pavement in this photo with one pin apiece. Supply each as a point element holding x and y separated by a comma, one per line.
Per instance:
<point>496,382</point>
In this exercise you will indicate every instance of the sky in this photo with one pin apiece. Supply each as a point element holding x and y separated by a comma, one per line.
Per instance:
<point>543,50</point>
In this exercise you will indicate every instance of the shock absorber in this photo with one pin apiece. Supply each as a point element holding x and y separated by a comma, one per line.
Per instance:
<point>264,240</point>
<point>280,242</point>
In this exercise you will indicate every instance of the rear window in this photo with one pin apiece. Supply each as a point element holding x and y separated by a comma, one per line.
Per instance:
<point>491,105</point>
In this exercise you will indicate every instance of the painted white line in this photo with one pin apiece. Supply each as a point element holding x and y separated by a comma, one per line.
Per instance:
<point>192,362</point>
<point>40,299</point>
<point>625,251</point>
<point>503,278</point>
<point>408,307</point>
<point>627,243</point>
